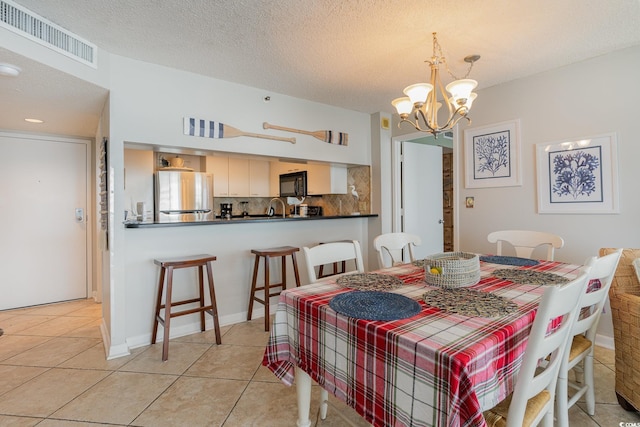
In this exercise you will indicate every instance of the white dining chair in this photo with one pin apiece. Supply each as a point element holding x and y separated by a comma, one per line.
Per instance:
<point>395,248</point>
<point>532,400</point>
<point>332,252</point>
<point>329,253</point>
<point>525,241</point>
<point>581,346</point>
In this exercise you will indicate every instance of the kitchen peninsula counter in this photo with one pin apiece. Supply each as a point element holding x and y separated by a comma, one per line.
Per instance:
<point>241,219</point>
<point>231,241</point>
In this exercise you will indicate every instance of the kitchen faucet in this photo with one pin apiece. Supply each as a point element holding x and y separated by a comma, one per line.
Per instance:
<point>284,208</point>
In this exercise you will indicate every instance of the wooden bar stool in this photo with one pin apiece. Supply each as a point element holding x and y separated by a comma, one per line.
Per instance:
<point>166,269</point>
<point>265,254</point>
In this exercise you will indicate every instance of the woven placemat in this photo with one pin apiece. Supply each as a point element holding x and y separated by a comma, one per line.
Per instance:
<point>375,305</point>
<point>369,282</point>
<point>529,277</point>
<point>509,260</point>
<point>419,263</point>
<point>469,302</point>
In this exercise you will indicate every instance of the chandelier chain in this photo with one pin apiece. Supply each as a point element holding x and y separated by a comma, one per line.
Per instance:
<point>438,56</point>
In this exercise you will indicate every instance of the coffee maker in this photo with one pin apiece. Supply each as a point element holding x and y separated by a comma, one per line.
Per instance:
<point>226,210</point>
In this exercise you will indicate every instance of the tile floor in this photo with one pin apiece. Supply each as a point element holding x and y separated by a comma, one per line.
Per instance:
<point>53,373</point>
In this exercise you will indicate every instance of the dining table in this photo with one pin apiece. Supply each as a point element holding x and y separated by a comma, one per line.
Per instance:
<point>456,355</point>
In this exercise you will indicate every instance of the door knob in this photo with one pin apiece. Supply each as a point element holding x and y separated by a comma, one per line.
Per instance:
<point>79,215</point>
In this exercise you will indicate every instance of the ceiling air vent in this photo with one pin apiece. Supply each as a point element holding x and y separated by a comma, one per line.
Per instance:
<point>24,22</point>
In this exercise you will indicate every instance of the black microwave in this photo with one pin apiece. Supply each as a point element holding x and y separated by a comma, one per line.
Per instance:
<point>293,184</point>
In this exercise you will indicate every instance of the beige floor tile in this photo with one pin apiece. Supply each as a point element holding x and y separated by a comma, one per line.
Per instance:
<point>228,361</point>
<point>57,309</point>
<point>181,357</point>
<point>11,345</point>
<point>206,337</point>
<point>578,417</point>
<point>264,374</point>
<point>90,330</point>
<point>8,421</point>
<point>46,393</point>
<point>118,399</point>
<point>193,402</point>
<point>52,352</point>
<point>95,358</point>
<point>605,356</point>
<point>613,415</point>
<point>68,423</point>
<point>57,326</point>
<point>88,310</point>
<point>266,405</point>
<point>248,333</point>
<point>14,376</point>
<point>16,324</point>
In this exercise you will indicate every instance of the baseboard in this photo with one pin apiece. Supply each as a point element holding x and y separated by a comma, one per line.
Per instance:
<point>112,352</point>
<point>191,328</point>
<point>605,341</point>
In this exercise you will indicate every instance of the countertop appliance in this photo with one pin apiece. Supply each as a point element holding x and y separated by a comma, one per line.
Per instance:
<point>293,184</point>
<point>226,210</point>
<point>183,196</point>
<point>304,210</point>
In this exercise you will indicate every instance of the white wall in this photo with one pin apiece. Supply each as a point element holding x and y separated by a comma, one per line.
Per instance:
<point>589,98</point>
<point>147,106</point>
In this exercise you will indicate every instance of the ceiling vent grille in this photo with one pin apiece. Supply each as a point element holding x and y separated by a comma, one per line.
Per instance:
<point>24,22</point>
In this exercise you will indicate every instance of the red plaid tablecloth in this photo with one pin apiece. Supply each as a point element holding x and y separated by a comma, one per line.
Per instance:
<point>433,369</point>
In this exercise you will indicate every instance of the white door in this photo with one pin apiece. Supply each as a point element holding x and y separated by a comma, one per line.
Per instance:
<point>421,173</point>
<point>43,203</point>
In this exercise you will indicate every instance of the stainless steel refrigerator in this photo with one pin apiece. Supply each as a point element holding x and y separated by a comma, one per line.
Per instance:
<point>182,196</point>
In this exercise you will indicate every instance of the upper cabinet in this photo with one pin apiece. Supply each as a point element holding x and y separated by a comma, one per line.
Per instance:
<point>238,177</point>
<point>321,179</point>
<point>219,167</point>
<point>325,179</point>
<point>259,178</point>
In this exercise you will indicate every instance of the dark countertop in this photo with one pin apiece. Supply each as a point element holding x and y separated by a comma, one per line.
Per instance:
<point>240,219</point>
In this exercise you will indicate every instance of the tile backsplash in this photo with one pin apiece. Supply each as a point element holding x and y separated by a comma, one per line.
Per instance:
<point>358,179</point>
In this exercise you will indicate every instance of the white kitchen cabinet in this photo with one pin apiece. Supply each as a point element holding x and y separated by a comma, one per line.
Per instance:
<point>219,167</point>
<point>259,178</point>
<point>238,177</point>
<point>326,179</point>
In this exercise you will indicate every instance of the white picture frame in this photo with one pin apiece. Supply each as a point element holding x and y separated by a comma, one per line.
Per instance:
<point>492,155</point>
<point>578,176</point>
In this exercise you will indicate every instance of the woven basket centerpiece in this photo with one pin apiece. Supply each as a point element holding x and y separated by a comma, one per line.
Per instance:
<point>452,269</point>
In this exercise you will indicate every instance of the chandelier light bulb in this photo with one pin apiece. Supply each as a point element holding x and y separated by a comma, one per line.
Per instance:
<point>403,106</point>
<point>418,93</point>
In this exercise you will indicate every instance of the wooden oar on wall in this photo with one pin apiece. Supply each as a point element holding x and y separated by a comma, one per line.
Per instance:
<point>211,129</point>
<point>332,137</point>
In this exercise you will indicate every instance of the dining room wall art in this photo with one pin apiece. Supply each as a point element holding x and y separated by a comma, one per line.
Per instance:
<point>578,176</point>
<point>492,155</point>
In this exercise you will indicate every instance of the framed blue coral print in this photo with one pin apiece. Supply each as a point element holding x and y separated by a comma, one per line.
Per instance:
<point>578,176</point>
<point>492,155</point>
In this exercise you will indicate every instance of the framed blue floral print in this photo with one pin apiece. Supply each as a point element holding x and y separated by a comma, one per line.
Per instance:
<point>578,176</point>
<point>492,155</point>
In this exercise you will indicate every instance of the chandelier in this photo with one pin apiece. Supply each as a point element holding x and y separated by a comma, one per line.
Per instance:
<point>422,98</point>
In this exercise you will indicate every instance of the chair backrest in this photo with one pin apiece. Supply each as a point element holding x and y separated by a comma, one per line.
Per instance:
<point>328,253</point>
<point>393,244</point>
<point>557,301</point>
<point>525,241</point>
<point>592,303</point>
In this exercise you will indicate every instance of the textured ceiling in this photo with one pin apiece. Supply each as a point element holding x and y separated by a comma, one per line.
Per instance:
<point>356,54</point>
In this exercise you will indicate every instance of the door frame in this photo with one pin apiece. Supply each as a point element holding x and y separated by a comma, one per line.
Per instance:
<point>396,180</point>
<point>89,209</point>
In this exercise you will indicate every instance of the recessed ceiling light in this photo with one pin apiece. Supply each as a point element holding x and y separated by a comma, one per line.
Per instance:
<point>9,70</point>
<point>34,121</point>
